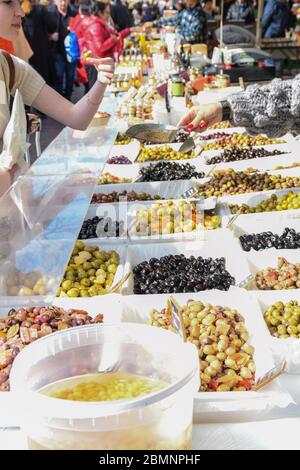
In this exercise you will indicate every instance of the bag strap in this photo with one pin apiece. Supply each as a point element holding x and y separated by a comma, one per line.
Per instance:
<point>12,70</point>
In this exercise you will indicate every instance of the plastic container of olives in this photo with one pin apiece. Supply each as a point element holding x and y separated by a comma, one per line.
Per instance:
<point>132,171</point>
<point>282,348</point>
<point>286,147</point>
<point>195,162</point>
<point>122,171</point>
<point>223,406</point>
<point>159,420</point>
<point>164,189</point>
<point>110,306</point>
<point>255,198</point>
<point>176,146</point>
<point>243,226</point>
<point>117,213</point>
<point>260,261</point>
<point>261,164</point>
<point>212,247</point>
<point>190,229</point>
<point>276,142</point>
<point>122,252</point>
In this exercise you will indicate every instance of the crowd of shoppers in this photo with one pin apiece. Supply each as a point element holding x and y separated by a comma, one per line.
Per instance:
<point>53,29</point>
<point>100,27</point>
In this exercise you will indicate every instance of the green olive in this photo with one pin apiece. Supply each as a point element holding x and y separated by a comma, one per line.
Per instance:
<point>73,292</point>
<point>66,285</point>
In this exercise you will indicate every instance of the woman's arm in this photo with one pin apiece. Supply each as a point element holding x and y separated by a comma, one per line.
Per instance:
<point>79,115</point>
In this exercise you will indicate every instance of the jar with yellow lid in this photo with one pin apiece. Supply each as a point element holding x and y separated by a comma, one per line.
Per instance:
<point>222,81</point>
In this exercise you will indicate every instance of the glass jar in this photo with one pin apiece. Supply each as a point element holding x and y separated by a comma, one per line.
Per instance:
<point>177,86</point>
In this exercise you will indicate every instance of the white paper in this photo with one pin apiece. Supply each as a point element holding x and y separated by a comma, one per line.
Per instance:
<point>14,138</point>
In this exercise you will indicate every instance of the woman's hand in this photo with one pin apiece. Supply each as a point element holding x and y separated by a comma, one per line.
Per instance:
<point>105,68</point>
<point>201,117</point>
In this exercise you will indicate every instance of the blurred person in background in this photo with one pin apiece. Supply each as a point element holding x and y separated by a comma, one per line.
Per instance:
<point>192,25</point>
<point>241,10</point>
<point>150,12</point>
<point>209,10</point>
<point>85,10</point>
<point>227,5</point>
<point>35,27</point>
<point>275,19</point>
<point>137,12</point>
<point>96,36</point>
<point>121,15</point>
<point>59,15</point>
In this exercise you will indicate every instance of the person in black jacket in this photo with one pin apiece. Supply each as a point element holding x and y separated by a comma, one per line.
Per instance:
<point>35,26</point>
<point>241,10</point>
<point>121,15</point>
<point>59,14</point>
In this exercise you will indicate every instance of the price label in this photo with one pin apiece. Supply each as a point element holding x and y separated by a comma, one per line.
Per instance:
<point>190,193</point>
<point>246,281</point>
<point>271,375</point>
<point>233,219</point>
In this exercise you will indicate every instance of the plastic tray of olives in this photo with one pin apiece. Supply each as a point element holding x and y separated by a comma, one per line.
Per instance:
<point>262,164</point>
<point>264,235</point>
<point>110,307</point>
<point>212,148</point>
<point>235,265</point>
<point>157,189</point>
<point>130,150</point>
<point>212,406</point>
<point>169,229</point>
<point>161,147</point>
<point>274,270</point>
<point>286,147</point>
<point>73,291</point>
<point>264,200</point>
<point>282,312</point>
<point>122,171</point>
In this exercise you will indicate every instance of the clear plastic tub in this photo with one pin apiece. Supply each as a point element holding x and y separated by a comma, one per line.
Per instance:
<point>161,420</point>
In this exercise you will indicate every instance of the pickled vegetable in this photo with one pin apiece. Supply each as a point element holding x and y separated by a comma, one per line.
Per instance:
<point>285,276</point>
<point>103,387</point>
<point>225,355</point>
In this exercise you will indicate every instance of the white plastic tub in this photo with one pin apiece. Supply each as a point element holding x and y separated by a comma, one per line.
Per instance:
<point>161,420</point>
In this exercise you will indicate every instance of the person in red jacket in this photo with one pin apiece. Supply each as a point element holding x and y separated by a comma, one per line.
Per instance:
<point>85,10</point>
<point>96,37</point>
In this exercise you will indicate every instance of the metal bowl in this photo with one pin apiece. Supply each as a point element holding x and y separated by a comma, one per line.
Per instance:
<point>154,133</point>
